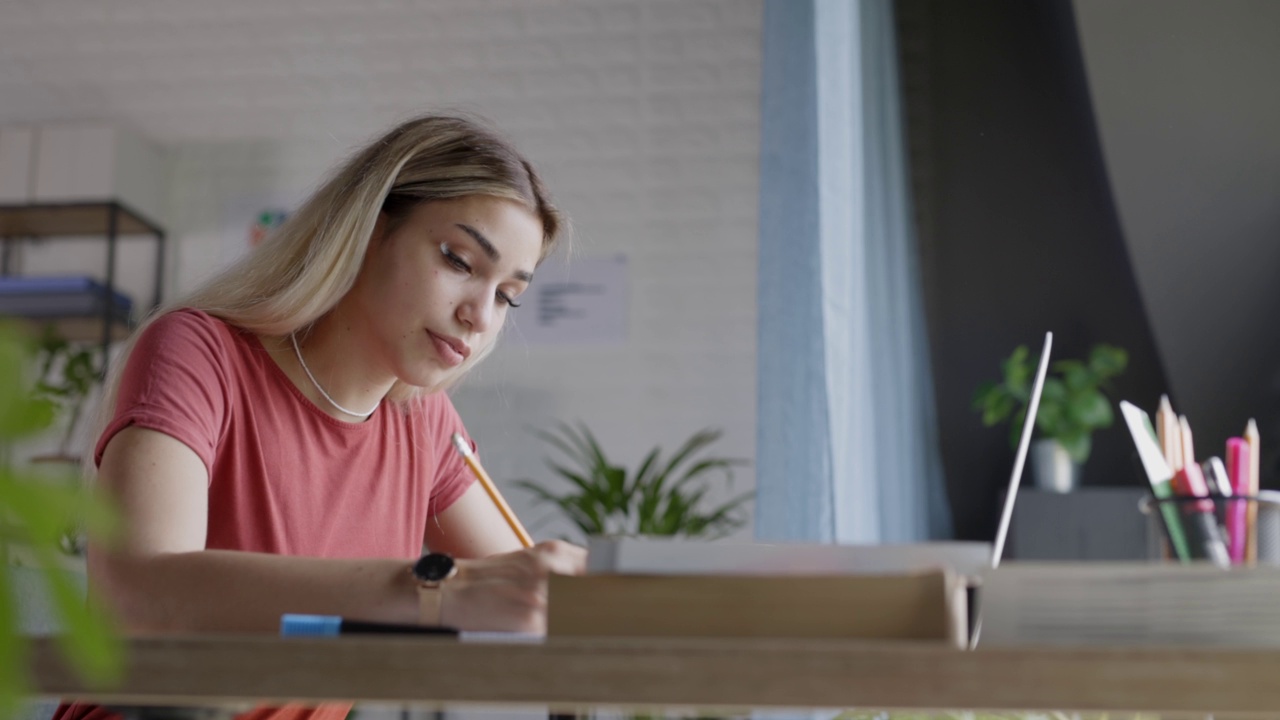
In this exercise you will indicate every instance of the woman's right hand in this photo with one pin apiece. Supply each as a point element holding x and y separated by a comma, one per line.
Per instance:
<point>508,592</point>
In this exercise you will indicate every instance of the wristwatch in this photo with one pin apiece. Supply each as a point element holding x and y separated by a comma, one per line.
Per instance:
<point>431,571</point>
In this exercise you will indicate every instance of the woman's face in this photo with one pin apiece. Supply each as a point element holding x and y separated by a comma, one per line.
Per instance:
<point>435,290</point>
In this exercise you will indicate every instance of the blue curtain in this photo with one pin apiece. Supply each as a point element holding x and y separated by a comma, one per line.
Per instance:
<point>847,448</point>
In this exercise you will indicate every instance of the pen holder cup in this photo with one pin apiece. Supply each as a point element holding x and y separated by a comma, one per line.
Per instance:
<point>1261,524</point>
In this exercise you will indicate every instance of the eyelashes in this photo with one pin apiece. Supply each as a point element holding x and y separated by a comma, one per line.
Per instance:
<point>453,258</point>
<point>463,266</point>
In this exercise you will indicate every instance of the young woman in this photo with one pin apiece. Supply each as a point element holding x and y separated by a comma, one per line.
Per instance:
<point>279,441</point>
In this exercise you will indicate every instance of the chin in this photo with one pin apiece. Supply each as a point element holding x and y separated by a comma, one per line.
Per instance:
<point>434,380</point>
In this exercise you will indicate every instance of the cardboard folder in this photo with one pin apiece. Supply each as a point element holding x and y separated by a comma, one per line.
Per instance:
<point>915,606</point>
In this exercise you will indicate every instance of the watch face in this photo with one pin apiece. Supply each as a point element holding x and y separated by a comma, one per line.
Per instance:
<point>433,567</point>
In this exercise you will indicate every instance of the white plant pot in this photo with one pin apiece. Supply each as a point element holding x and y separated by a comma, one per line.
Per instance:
<point>1052,469</point>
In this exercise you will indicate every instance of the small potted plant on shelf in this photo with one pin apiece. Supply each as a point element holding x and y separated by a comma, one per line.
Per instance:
<point>662,496</point>
<point>1072,406</point>
<point>68,373</point>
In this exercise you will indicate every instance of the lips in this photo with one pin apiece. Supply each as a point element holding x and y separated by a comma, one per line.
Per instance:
<point>450,349</point>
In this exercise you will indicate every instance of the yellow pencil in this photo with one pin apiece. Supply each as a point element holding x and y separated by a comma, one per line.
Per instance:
<point>486,482</point>
<point>1251,535</point>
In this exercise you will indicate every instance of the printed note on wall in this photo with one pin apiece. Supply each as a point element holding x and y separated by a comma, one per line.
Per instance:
<point>248,218</point>
<point>580,300</point>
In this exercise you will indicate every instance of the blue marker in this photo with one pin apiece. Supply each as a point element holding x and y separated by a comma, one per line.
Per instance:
<point>332,626</point>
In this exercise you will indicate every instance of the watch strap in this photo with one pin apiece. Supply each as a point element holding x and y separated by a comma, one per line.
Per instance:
<point>430,603</point>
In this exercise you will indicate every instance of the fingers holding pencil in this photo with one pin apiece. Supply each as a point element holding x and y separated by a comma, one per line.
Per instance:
<point>508,591</point>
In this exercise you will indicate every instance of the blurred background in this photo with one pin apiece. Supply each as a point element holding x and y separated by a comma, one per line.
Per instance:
<point>743,176</point>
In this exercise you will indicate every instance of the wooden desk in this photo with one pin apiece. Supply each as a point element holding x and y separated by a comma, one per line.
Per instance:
<point>730,674</point>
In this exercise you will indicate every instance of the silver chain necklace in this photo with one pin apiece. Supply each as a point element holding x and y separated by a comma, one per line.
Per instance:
<point>296,351</point>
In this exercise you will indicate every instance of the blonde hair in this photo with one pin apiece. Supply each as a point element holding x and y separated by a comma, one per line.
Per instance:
<point>310,262</point>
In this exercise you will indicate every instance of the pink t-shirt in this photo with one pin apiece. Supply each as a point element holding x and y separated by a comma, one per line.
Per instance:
<point>284,477</point>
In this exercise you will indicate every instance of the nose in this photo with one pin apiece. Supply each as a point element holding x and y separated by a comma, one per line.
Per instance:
<point>478,311</point>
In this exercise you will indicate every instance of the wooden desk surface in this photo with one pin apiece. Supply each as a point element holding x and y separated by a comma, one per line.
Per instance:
<point>680,672</point>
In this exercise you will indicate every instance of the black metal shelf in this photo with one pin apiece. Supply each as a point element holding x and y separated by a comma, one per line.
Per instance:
<point>47,220</point>
<point>112,220</point>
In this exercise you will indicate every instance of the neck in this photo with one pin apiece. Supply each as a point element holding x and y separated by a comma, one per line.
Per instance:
<point>341,363</point>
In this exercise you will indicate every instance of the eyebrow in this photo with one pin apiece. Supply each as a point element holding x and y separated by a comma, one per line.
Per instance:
<point>491,251</point>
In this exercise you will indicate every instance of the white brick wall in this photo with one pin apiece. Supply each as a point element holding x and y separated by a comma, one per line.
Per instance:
<point>642,114</point>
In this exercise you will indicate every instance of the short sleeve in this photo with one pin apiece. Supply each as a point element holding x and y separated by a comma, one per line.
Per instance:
<point>452,476</point>
<point>175,381</point>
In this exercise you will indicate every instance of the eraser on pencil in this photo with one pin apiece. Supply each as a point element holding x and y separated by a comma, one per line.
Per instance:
<point>310,625</point>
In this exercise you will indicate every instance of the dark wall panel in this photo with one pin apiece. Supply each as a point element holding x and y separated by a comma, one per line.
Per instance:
<point>1017,228</point>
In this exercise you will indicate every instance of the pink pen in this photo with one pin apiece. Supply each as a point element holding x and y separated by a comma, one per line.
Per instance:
<point>1238,509</point>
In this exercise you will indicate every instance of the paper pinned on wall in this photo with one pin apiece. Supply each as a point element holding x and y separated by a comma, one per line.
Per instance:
<point>582,300</point>
<point>248,218</point>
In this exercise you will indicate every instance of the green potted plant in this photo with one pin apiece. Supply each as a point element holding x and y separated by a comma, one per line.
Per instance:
<point>1072,406</point>
<point>661,497</point>
<point>37,591</point>
<point>68,373</point>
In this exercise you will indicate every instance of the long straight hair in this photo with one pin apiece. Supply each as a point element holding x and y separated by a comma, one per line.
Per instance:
<point>301,271</point>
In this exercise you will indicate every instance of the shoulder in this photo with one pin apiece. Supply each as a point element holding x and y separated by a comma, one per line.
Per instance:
<point>189,338</point>
<point>187,327</point>
<point>178,380</point>
<point>187,321</point>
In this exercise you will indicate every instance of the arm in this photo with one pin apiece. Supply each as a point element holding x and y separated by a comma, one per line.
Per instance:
<point>471,527</point>
<point>161,579</point>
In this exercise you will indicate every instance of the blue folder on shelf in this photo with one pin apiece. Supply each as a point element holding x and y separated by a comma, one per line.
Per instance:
<point>63,296</point>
